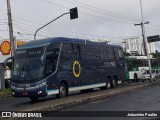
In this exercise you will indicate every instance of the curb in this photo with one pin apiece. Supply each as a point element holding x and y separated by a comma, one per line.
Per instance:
<point>117,91</point>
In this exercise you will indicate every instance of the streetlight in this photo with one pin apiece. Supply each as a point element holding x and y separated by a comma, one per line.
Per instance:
<point>73,14</point>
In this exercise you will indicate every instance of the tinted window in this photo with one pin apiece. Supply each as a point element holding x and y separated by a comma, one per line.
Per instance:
<point>88,52</point>
<point>67,52</point>
<point>76,50</point>
<point>108,53</point>
<point>51,60</point>
<point>71,51</point>
<point>98,52</point>
<point>118,53</point>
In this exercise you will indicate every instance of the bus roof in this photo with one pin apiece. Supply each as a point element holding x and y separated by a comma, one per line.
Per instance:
<point>47,41</point>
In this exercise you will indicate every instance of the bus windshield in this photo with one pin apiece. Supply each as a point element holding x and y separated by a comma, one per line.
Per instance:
<point>28,64</point>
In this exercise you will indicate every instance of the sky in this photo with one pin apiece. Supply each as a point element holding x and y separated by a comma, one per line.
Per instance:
<point>111,20</point>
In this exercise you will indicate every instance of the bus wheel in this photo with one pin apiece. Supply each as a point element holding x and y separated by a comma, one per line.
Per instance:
<point>62,91</point>
<point>33,98</point>
<point>135,78</point>
<point>108,83</point>
<point>114,82</point>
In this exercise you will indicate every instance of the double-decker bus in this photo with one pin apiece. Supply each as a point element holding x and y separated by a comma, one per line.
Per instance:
<point>57,66</point>
<point>136,65</point>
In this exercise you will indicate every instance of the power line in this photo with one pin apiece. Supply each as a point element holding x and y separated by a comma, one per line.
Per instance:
<point>108,19</point>
<point>103,11</point>
<point>155,24</point>
<point>133,19</point>
<point>55,4</point>
<point>150,28</point>
<point>29,34</point>
<point>26,29</point>
<point>65,30</point>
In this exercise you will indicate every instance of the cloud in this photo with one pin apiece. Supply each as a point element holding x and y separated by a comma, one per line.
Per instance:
<point>107,18</point>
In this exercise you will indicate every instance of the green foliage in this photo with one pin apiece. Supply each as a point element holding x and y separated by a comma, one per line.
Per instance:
<point>5,92</point>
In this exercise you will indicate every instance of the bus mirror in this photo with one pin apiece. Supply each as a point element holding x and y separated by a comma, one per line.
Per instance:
<point>6,60</point>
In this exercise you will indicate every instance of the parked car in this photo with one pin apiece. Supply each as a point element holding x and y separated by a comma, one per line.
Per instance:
<point>157,76</point>
<point>146,75</point>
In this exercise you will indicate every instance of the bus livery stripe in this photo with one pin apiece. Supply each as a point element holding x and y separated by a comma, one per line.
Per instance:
<point>86,87</point>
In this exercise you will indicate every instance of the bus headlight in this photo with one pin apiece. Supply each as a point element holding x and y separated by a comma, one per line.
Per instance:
<point>39,92</point>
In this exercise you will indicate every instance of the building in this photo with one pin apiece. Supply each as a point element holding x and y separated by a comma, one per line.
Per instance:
<point>134,46</point>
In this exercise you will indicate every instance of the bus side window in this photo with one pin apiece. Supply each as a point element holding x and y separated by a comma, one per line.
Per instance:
<point>88,52</point>
<point>146,63</point>
<point>108,53</point>
<point>66,53</point>
<point>97,52</point>
<point>129,62</point>
<point>121,53</point>
<point>157,71</point>
<point>51,61</point>
<point>118,53</point>
<point>76,50</point>
<point>49,64</point>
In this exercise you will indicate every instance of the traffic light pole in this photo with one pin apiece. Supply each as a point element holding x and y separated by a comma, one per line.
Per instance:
<point>48,24</point>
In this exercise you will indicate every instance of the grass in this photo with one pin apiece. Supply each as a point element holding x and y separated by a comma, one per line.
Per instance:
<point>5,92</point>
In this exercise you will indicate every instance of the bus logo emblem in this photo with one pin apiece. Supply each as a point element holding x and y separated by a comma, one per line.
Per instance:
<point>76,74</point>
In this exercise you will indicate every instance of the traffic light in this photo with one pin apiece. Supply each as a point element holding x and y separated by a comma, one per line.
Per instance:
<point>73,13</point>
<point>153,38</point>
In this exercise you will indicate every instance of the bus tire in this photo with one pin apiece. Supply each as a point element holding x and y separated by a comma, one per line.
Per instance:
<point>62,91</point>
<point>108,83</point>
<point>135,78</point>
<point>113,82</point>
<point>33,98</point>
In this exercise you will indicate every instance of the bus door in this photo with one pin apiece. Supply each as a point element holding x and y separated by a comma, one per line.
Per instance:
<point>51,65</point>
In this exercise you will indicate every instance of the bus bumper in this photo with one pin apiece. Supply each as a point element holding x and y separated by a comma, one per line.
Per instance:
<point>24,92</point>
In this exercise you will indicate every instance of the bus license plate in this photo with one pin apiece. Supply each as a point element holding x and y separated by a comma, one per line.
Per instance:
<point>25,93</point>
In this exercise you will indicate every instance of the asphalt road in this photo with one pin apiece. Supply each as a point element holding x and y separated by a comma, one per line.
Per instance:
<point>147,99</point>
<point>144,99</point>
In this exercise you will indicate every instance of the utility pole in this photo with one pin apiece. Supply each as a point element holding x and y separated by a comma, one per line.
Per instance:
<point>144,45</point>
<point>10,28</point>
<point>145,41</point>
